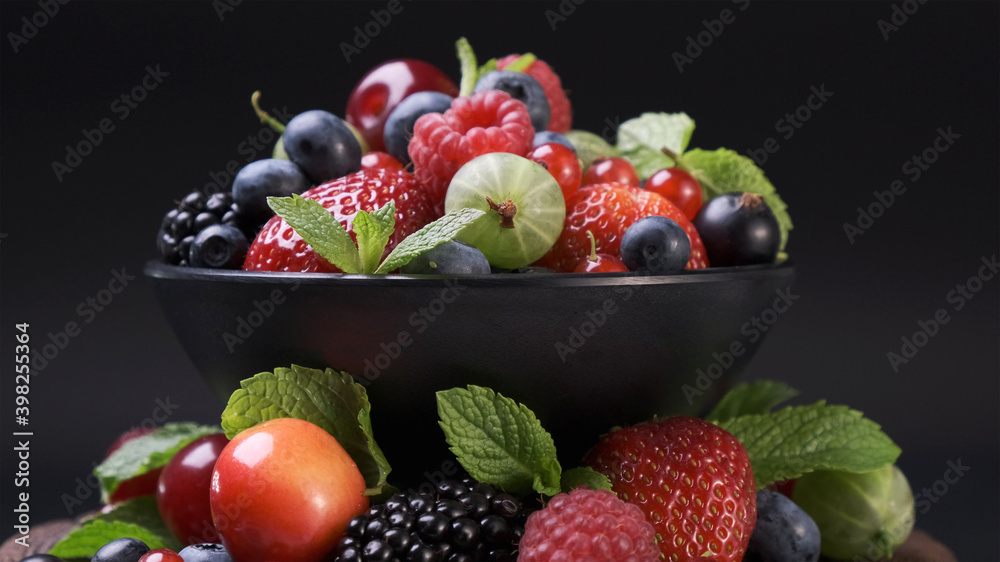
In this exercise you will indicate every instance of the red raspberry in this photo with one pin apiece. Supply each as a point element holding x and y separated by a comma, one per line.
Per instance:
<point>691,479</point>
<point>561,119</point>
<point>588,525</point>
<point>607,209</point>
<point>489,121</point>
<point>279,248</point>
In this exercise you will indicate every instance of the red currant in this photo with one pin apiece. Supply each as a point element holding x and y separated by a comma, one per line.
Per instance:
<point>142,485</point>
<point>679,187</point>
<point>562,163</point>
<point>161,555</point>
<point>380,160</point>
<point>183,492</point>
<point>608,170</point>
<point>381,90</point>
<point>599,263</point>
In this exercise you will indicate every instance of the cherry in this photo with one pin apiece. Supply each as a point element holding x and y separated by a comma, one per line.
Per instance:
<point>161,555</point>
<point>142,485</point>
<point>380,161</point>
<point>679,187</point>
<point>284,490</point>
<point>182,493</point>
<point>599,263</point>
<point>381,90</point>
<point>607,170</point>
<point>562,163</point>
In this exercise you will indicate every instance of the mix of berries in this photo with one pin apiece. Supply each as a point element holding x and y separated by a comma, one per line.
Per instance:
<point>406,115</point>
<point>463,521</point>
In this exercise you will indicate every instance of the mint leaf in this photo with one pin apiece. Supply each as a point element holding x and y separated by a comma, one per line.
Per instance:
<point>329,399</point>
<point>642,140</point>
<point>145,453</point>
<point>319,229</point>
<point>467,61</point>
<point>722,170</point>
<point>141,511</point>
<point>372,232</point>
<point>590,147</point>
<point>584,476</point>
<point>85,541</point>
<point>758,397</point>
<point>441,230</point>
<point>499,441</point>
<point>801,439</point>
<point>521,63</point>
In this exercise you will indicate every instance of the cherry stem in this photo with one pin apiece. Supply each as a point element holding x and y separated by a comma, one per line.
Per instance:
<point>678,161</point>
<point>264,116</point>
<point>506,210</point>
<point>593,246</point>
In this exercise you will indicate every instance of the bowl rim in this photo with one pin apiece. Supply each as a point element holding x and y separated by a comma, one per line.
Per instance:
<point>159,270</point>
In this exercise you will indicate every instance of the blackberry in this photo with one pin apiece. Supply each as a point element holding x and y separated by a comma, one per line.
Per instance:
<point>193,214</point>
<point>463,521</point>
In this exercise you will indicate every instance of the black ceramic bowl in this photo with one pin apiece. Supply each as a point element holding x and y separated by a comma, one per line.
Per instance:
<point>584,352</point>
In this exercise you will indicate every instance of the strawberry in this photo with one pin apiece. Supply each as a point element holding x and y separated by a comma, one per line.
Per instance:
<point>607,209</point>
<point>690,478</point>
<point>279,248</point>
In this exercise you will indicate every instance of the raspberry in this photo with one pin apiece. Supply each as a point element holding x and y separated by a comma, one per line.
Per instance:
<point>488,121</point>
<point>279,248</point>
<point>562,112</point>
<point>588,525</point>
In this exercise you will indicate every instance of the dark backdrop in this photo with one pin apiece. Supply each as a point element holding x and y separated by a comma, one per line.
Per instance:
<point>62,240</point>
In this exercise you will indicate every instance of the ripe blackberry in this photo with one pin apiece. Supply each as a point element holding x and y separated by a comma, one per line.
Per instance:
<point>195,213</point>
<point>464,521</point>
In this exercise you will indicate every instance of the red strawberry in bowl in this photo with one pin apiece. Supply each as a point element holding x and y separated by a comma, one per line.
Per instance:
<point>691,478</point>
<point>279,248</point>
<point>607,209</point>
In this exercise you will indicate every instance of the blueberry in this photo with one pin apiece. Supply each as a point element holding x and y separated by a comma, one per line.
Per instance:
<point>322,145</point>
<point>121,550</point>
<point>545,137</point>
<point>399,125</point>
<point>738,229</point>
<point>783,530</point>
<point>449,258</point>
<point>219,246</point>
<point>655,245</point>
<point>262,179</point>
<point>41,558</point>
<point>205,552</point>
<point>521,87</point>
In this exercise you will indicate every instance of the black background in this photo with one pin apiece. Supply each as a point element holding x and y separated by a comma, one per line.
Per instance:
<point>939,69</point>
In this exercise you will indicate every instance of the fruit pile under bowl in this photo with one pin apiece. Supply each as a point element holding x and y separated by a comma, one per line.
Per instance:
<point>587,351</point>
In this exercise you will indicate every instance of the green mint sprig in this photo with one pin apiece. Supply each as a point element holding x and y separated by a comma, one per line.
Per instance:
<point>797,440</point>
<point>641,140</point>
<point>145,453</point>
<point>590,147</point>
<point>330,399</point>
<point>331,240</point>
<point>138,518</point>
<point>584,476</point>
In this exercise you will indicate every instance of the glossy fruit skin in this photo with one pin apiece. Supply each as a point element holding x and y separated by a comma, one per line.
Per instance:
<point>655,245</point>
<point>265,178</point>
<point>679,187</point>
<point>691,479</point>
<point>219,246</point>
<point>738,229</point>
<point>562,163</point>
<point>121,550</point>
<point>561,119</point>
<point>161,555</point>
<point>399,125</point>
<point>783,531</point>
<point>182,491</point>
<point>523,88</point>
<point>449,258</point>
<point>279,248</point>
<point>607,210</point>
<point>322,145</point>
<point>610,170</point>
<point>42,558</point>
<point>142,485</point>
<point>603,263</point>
<point>380,160</point>
<point>284,490</point>
<point>205,552</point>
<point>383,87</point>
